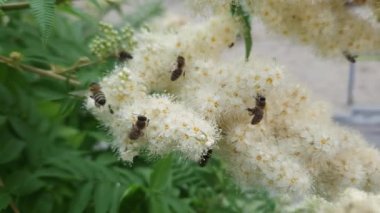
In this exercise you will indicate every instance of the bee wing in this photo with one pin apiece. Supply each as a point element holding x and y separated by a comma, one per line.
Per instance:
<point>79,93</point>
<point>173,66</point>
<point>266,114</point>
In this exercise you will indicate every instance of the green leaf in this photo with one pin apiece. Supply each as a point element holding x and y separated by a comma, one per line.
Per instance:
<point>82,198</point>
<point>96,4</point>
<point>10,150</point>
<point>3,2</point>
<point>67,107</point>
<point>102,197</point>
<point>23,183</point>
<point>5,199</point>
<point>243,17</point>
<point>44,13</point>
<point>52,172</point>
<point>178,205</point>
<point>116,197</point>
<point>22,129</point>
<point>134,200</point>
<point>3,119</point>
<point>161,176</point>
<point>144,12</point>
<point>5,95</point>
<point>44,203</point>
<point>158,205</point>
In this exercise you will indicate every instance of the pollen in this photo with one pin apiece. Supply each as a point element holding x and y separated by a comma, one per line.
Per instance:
<point>293,181</point>
<point>259,158</point>
<point>269,81</point>
<point>324,141</point>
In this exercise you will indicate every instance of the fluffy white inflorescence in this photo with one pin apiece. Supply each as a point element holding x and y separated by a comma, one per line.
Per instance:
<point>171,127</point>
<point>255,160</point>
<point>328,25</point>
<point>159,51</point>
<point>296,149</point>
<point>351,200</point>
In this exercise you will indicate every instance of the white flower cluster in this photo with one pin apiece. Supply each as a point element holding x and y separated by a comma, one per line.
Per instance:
<point>295,149</point>
<point>330,26</point>
<point>355,201</point>
<point>351,200</point>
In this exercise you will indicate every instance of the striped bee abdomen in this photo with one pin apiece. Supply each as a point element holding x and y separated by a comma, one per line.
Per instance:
<point>204,158</point>
<point>176,74</point>
<point>99,98</point>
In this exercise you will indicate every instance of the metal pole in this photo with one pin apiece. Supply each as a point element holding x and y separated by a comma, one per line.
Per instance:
<point>351,81</point>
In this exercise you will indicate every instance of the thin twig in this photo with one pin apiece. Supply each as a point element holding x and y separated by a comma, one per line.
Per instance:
<point>76,66</point>
<point>15,6</point>
<point>12,204</point>
<point>20,5</point>
<point>42,72</point>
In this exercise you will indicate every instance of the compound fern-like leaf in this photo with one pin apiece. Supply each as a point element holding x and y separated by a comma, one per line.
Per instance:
<point>44,13</point>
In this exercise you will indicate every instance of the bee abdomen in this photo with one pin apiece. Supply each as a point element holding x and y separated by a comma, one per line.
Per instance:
<point>141,124</point>
<point>176,74</point>
<point>134,134</point>
<point>204,158</point>
<point>256,119</point>
<point>99,98</point>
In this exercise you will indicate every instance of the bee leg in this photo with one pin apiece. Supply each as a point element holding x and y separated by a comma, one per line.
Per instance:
<point>147,122</point>
<point>251,111</point>
<point>110,109</point>
<point>184,73</point>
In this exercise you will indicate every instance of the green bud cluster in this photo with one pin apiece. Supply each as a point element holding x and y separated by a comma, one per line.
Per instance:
<point>110,41</point>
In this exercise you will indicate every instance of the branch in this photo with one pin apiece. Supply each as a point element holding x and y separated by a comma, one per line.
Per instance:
<point>12,204</point>
<point>42,72</point>
<point>83,62</point>
<point>21,5</point>
<point>15,6</point>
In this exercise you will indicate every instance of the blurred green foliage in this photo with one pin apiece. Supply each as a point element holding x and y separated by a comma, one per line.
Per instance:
<point>54,157</point>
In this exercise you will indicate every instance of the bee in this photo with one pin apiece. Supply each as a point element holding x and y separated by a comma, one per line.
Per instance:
<point>97,94</point>
<point>350,57</point>
<point>258,110</point>
<point>124,56</point>
<point>137,128</point>
<point>231,45</point>
<point>350,3</point>
<point>179,69</point>
<point>205,157</point>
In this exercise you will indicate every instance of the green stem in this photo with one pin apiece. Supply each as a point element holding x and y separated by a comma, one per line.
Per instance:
<point>21,5</point>
<point>42,72</point>
<point>15,6</point>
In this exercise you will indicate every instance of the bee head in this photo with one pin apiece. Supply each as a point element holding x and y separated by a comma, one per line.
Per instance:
<point>141,118</point>
<point>124,55</point>
<point>260,99</point>
<point>94,87</point>
<point>180,60</point>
